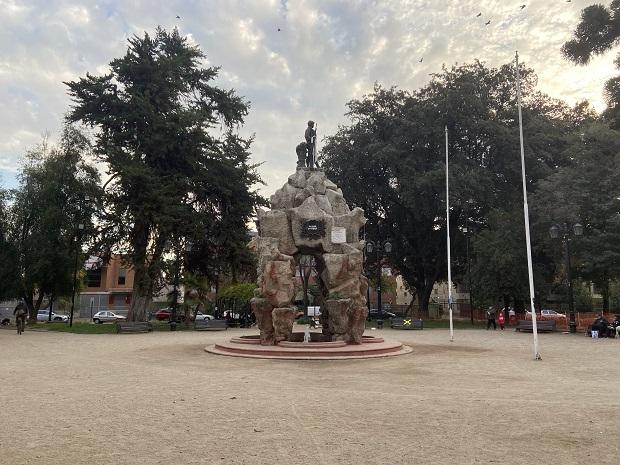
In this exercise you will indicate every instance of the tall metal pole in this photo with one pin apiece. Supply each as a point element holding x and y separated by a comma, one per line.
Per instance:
<point>572,324</point>
<point>175,292</point>
<point>75,267</point>
<point>448,242</point>
<point>75,270</point>
<point>379,306</point>
<point>526,216</point>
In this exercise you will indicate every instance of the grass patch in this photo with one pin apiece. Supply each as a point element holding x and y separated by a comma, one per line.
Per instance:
<point>79,328</point>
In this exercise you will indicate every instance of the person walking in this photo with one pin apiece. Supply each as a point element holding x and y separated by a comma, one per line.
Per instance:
<point>501,319</point>
<point>21,313</point>
<point>491,318</point>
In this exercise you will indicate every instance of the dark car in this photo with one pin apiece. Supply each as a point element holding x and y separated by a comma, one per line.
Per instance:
<point>164,314</point>
<point>373,314</point>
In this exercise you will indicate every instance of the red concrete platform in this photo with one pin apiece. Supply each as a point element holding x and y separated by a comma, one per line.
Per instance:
<point>249,346</point>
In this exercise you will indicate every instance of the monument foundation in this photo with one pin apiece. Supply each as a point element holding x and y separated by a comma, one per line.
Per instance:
<point>309,216</point>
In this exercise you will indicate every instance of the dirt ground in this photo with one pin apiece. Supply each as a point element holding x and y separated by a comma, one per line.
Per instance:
<point>159,398</point>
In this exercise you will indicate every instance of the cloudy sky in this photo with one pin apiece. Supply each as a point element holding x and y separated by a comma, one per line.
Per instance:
<point>293,60</point>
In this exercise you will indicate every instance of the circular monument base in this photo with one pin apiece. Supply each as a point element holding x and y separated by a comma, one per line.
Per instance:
<point>317,349</point>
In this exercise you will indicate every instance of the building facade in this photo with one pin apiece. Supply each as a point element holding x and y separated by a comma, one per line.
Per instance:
<point>108,286</point>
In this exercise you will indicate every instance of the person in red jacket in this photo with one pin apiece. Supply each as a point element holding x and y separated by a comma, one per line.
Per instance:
<point>501,320</point>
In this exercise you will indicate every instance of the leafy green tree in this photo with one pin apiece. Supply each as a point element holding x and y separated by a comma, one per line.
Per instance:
<point>586,191</point>
<point>8,251</point>
<point>241,292</point>
<point>177,168</point>
<point>390,161</point>
<point>43,232</point>
<point>499,272</point>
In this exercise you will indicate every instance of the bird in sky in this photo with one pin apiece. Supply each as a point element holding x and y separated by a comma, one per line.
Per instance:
<point>478,15</point>
<point>278,29</point>
<point>523,6</point>
<point>487,23</point>
<point>421,60</point>
<point>178,17</point>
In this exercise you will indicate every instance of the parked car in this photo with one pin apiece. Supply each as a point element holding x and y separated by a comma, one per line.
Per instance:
<point>163,314</point>
<point>552,314</point>
<point>203,316</point>
<point>373,314</point>
<point>548,314</point>
<point>43,315</point>
<point>103,316</point>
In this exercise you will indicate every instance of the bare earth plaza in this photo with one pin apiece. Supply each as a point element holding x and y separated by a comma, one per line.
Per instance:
<point>293,232</point>
<point>160,399</point>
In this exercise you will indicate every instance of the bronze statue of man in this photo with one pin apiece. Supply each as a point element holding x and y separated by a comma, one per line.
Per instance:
<point>310,144</point>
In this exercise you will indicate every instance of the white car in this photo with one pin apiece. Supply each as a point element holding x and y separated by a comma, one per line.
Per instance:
<point>203,316</point>
<point>549,314</point>
<point>43,315</point>
<point>103,316</point>
<point>552,314</point>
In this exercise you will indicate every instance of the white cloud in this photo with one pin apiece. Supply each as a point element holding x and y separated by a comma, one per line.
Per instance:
<point>294,60</point>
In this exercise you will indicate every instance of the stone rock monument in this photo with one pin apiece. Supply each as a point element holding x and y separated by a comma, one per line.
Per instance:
<point>309,216</point>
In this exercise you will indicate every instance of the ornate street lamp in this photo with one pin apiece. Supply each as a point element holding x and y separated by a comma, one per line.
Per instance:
<point>564,232</point>
<point>381,248</point>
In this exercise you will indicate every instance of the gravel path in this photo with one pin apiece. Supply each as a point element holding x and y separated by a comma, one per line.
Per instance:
<point>160,399</point>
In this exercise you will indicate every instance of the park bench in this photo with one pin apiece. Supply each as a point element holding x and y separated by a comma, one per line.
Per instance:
<point>541,325</point>
<point>133,327</point>
<point>210,325</point>
<point>406,323</point>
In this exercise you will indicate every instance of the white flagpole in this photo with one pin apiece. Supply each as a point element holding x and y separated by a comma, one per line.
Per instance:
<point>526,216</point>
<point>448,242</point>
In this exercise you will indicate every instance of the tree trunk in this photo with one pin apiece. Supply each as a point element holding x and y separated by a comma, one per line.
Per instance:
<point>139,304</point>
<point>33,306</point>
<point>142,293</point>
<point>424,295</point>
<point>605,294</point>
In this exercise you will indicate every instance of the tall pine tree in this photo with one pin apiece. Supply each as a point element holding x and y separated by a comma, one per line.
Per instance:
<point>178,171</point>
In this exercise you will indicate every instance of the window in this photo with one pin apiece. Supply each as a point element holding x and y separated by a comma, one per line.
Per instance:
<point>122,274</point>
<point>93,278</point>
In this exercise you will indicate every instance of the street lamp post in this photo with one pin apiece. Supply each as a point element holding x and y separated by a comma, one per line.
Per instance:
<point>379,247</point>
<point>564,232</point>
<point>75,266</point>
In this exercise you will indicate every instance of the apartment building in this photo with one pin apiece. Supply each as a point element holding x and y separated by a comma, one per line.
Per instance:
<point>108,286</point>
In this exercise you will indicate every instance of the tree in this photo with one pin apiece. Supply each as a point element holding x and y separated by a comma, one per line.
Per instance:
<point>177,168</point>
<point>8,251</point>
<point>597,33</point>
<point>586,191</point>
<point>43,219</point>
<point>500,269</point>
<point>390,161</point>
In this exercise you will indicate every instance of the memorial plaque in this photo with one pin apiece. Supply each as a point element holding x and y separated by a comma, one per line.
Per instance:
<point>339,235</point>
<point>313,229</point>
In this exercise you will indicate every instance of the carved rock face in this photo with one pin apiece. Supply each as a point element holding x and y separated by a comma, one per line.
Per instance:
<point>278,285</point>
<point>262,310</point>
<point>283,319</point>
<point>275,223</point>
<point>303,214</point>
